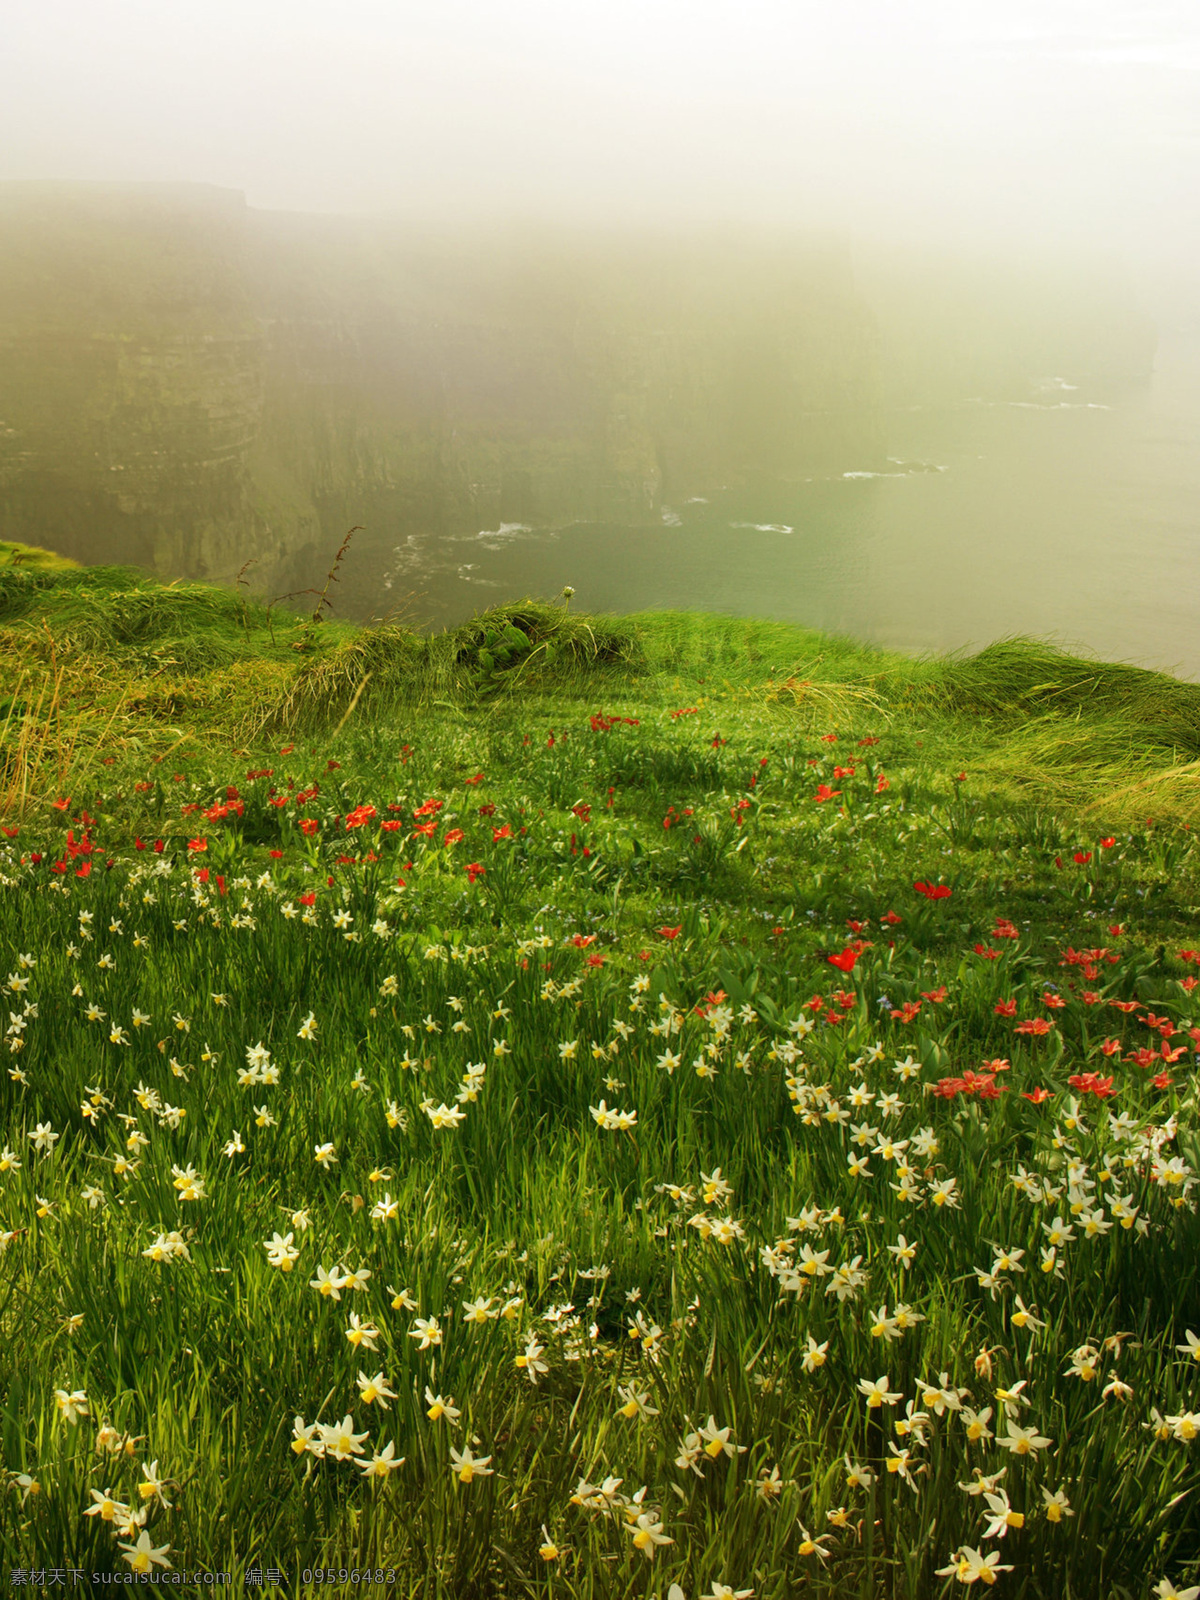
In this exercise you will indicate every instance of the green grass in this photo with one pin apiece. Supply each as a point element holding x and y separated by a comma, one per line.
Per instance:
<point>641,795</point>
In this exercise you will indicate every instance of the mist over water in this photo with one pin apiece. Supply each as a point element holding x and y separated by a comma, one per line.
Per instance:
<point>1074,514</point>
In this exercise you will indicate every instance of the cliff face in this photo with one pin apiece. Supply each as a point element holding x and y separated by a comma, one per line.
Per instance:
<point>188,385</point>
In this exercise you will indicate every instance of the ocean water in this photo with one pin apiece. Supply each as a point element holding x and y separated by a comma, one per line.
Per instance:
<point>1073,515</point>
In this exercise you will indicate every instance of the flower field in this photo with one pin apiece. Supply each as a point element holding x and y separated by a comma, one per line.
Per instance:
<point>545,1149</point>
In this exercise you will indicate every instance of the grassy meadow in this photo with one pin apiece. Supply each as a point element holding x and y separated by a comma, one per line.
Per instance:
<point>576,1106</point>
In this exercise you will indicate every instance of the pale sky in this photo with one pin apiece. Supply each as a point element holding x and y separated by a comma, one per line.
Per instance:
<point>1036,121</point>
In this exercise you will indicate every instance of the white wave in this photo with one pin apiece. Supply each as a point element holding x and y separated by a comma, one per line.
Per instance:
<point>1040,405</point>
<point>504,530</point>
<point>696,500</point>
<point>905,469</point>
<point>764,527</point>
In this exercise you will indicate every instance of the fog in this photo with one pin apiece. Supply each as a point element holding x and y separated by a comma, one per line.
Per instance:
<point>852,313</point>
<point>1037,126</point>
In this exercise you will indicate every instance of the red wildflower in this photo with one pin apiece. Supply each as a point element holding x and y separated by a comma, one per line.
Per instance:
<point>1162,1080</point>
<point>582,940</point>
<point>869,740</point>
<point>891,917</point>
<point>1054,1001</point>
<point>1144,1058</point>
<point>501,833</point>
<point>935,996</point>
<point>947,1088</point>
<point>1036,1096</point>
<point>1005,929</point>
<point>882,783</point>
<point>907,1011</point>
<point>1005,1008</point>
<point>309,899</point>
<point>359,816</point>
<point>843,772</point>
<point>971,1083</point>
<point>454,836</point>
<point>987,952</point>
<point>1091,1083</point>
<point>474,870</point>
<point>671,933</point>
<point>1082,857</point>
<point>197,844</point>
<point>309,825</point>
<point>933,891</point>
<point>982,1084</point>
<point>1036,1025</point>
<point>1107,844</point>
<point>845,961</point>
<point>478,778</point>
<point>1125,1005</point>
<point>824,792</point>
<point>829,738</point>
<point>595,961</point>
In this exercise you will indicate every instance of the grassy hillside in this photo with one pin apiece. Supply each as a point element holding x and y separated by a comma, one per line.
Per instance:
<point>573,1105</point>
<point>141,667</point>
